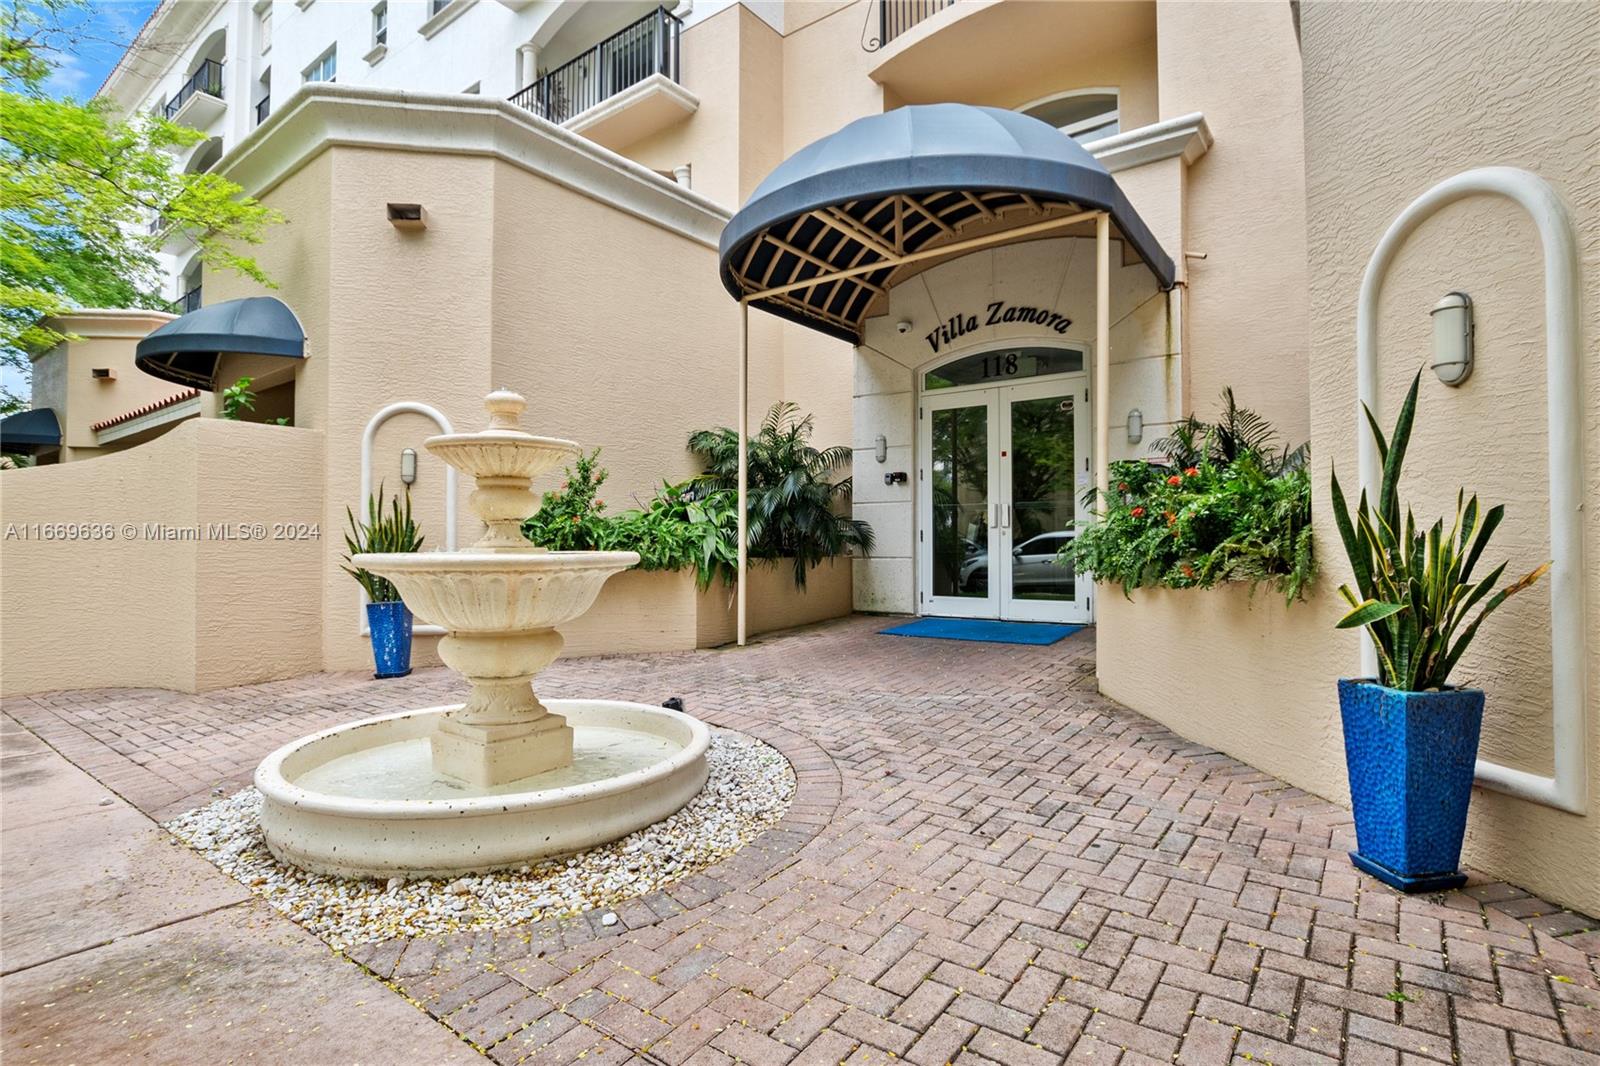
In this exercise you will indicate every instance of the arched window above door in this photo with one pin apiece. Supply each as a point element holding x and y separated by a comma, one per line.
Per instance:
<point>1083,114</point>
<point>1002,366</point>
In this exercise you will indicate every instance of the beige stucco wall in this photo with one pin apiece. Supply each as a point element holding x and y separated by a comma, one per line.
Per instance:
<point>127,607</point>
<point>1398,98</point>
<point>1245,309</point>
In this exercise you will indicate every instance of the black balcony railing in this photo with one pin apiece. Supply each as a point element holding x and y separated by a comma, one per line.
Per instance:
<point>189,301</point>
<point>627,57</point>
<point>897,16</point>
<point>208,80</point>
<point>263,109</point>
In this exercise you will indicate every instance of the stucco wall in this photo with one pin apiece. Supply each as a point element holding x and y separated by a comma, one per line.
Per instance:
<point>189,610</point>
<point>1397,98</point>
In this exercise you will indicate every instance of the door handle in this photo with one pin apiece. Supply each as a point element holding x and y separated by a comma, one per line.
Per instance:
<point>1007,507</point>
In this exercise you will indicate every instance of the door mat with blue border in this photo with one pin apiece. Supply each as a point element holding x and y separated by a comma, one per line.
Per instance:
<point>985,630</point>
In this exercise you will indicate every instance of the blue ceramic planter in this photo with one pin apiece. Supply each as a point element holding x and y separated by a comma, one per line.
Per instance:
<point>1410,756</point>
<point>391,638</point>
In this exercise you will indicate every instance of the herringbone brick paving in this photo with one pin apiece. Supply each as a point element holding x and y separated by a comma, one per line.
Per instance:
<point>987,862</point>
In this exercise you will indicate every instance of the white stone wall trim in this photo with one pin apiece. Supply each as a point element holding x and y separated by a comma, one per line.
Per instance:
<point>189,408</point>
<point>1567,789</point>
<point>1187,136</point>
<point>322,115</point>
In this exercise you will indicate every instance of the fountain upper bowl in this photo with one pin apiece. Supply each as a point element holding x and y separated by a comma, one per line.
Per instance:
<point>502,452</point>
<point>497,592</point>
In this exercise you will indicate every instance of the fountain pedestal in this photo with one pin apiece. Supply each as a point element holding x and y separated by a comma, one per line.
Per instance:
<point>503,733</point>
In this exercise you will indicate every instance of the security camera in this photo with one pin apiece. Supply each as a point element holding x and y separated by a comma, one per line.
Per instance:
<point>903,326</point>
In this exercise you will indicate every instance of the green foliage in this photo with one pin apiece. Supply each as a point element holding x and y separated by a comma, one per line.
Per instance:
<point>78,185</point>
<point>238,398</point>
<point>676,530</point>
<point>1414,590</point>
<point>1228,508</point>
<point>794,506</point>
<point>385,530</point>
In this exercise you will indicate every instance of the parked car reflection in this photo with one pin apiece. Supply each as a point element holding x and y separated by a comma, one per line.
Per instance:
<point>1035,566</point>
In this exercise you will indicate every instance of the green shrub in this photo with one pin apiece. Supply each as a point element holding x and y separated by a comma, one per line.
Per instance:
<point>1225,506</point>
<point>388,529</point>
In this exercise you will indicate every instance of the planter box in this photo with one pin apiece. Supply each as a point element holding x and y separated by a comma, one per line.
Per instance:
<point>654,611</point>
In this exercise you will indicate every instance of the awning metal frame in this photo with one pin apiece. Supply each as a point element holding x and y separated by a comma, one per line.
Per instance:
<point>884,268</point>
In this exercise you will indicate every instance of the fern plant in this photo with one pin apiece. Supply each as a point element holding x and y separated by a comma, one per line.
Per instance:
<point>1414,590</point>
<point>388,529</point>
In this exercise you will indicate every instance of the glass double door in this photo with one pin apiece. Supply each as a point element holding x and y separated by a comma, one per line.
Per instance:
<point>1002,470</point>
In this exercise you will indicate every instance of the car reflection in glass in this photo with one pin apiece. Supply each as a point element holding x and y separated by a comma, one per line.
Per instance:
<point>1035,565</point>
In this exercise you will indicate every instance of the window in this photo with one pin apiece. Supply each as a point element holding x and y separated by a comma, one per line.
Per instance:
<point>264,28</point>
<point>1003,366</point>
<point>1083,116</point>
<point>324,69</point>
<point>380,24</point>
<point>436,6</point>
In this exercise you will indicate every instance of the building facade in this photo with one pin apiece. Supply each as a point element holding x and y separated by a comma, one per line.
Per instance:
<point>487,193</point>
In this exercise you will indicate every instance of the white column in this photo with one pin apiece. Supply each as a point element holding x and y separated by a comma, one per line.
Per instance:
<point>527,64</point>
<point>744,458</point>
<point>1102,354</point>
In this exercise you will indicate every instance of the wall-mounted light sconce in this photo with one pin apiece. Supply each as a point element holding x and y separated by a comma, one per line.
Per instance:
<point>1135,426</point>
<point>408,466</point>
<point>1452,338</point>
<point>407,216</point>
<point>881,448</point>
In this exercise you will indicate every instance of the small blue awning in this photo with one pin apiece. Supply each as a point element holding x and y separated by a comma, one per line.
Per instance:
<point>222,343</point>
<point>28,431</point>
<point>905,182</point>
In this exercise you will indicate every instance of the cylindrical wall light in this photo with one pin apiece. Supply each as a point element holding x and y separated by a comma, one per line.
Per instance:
<point>881,446</point>
<point>1452,338</point>
<point>1135,426</point>
<point>408,466</point>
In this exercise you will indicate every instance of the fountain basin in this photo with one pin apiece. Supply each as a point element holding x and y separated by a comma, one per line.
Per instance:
<point>324,807</point>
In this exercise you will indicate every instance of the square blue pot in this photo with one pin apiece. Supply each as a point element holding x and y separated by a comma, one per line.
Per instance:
<point>390,623</point>
<point>1410,756</point>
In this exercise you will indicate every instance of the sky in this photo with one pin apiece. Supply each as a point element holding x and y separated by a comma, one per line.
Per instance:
<point>102,30</point>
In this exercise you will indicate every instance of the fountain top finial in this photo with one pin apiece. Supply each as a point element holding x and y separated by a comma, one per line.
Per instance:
<point>505,409</point>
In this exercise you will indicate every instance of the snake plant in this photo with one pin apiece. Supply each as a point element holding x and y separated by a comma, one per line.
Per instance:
<point>1414,590</point>
<point>385,530</point>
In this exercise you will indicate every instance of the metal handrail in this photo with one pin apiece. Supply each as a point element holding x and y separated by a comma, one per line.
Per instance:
<point>189,301</point>
<point>207,79</point>
<point>629,56</point>
<point>897,16</point>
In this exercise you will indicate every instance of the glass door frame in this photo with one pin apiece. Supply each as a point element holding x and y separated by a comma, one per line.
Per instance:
<point>992,396</point>
<point>1079,608</point>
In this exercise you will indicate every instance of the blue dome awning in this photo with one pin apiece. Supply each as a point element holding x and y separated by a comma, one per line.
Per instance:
<point>906,182</point>
<point>223,342</point>
<point>25,432</point>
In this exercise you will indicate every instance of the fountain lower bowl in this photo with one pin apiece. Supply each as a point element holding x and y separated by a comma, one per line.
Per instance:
<point>329,805</point>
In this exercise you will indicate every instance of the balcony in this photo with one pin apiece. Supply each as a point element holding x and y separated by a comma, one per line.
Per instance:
<point>189,301</point>
<point>621,90</point>
<point>198,103</point>
<point>897,16</point>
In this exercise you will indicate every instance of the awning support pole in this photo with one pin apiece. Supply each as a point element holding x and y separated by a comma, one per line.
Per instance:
<point>744,460</point>
<point>1102,356</point>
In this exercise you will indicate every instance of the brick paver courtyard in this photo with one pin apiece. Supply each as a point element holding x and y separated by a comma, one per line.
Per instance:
<point>986,862</point>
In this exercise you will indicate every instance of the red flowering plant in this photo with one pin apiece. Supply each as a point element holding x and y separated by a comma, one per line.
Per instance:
<point>573,517</point>
<point>1217,503</point>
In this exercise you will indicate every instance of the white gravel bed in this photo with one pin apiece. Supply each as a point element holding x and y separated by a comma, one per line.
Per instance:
<point>749,787</point>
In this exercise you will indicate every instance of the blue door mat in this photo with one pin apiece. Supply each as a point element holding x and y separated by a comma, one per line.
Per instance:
<point>985,630</point>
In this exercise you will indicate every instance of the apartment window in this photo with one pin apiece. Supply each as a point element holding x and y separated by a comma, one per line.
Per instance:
<point>325,68</point>
<point>380,24</point>
<point>436,6</point>
<point>264,27</point>
<point>1083,116</point>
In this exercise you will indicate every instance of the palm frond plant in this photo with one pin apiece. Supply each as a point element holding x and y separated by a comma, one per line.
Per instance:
<point>388,528</point>
<point>795,505</point>
<point>1414,590</point>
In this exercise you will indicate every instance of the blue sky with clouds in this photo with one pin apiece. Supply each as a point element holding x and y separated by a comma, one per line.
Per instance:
<point>101,30</point>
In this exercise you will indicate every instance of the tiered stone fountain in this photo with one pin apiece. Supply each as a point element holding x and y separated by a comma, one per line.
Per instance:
<point>504,778</point>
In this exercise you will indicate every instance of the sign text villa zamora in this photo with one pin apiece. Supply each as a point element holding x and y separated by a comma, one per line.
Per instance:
<point>998,313</point>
